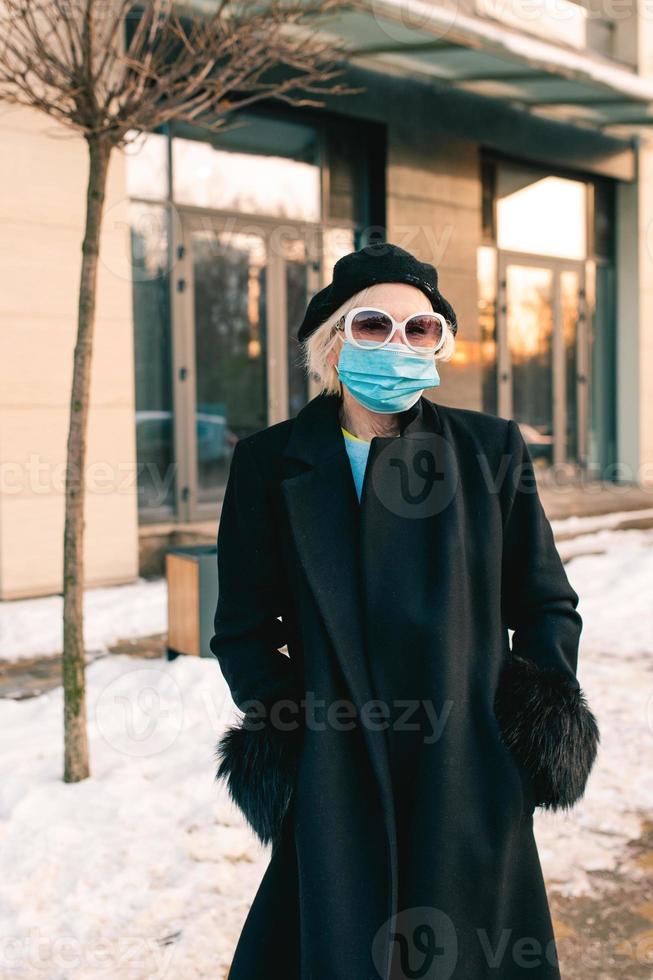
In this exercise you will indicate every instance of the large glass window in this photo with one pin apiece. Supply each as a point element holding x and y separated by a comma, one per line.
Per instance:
<point>260,212</point>
<point>297,273</point>
<point>229,277</point>
<point>540,214</point>
<point>530,321</point>
<point>547,309</point>
<point>486,262</point>
<point>256,166</point>
<point>344,175</point>
<point>602,452</point>
<point>153,356</point>
<point>570,313</point>
<point>147,167</point>
<point>603,377</point>
<point>604,223</point>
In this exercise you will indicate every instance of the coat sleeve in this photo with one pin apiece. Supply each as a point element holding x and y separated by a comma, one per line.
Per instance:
<point>257,756</point>
<point>248,632</point>
<point>542,711</point>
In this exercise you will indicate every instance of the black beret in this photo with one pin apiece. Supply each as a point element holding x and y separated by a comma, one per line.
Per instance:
<point>380,262</point>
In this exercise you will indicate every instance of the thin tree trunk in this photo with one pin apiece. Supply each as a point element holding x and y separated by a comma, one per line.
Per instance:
<point>76,760</point>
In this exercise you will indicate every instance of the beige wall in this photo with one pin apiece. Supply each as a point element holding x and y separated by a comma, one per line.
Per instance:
<point>635,286</point>
<point>42,179</point>
<point>645,323</point>
<point>434,210</point>
<point>646,319</point>
<point>635,322</point>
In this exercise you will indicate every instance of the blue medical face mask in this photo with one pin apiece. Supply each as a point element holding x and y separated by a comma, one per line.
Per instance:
<point>386,379</point>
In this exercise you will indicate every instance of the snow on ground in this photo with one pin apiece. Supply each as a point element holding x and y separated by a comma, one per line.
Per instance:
<point>32,627</point>
<point>596,522</point>
<point>147,869</point>
<point>612,571</point>
<point>615,669</point>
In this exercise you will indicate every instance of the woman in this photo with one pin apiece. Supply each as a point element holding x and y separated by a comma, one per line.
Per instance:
<point>394,757</point>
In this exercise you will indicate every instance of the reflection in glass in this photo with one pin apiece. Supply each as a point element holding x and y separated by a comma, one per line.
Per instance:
<point>530,341</point>
<point>604,217</point>
<point>570,309</point>
<point>542,215</point>
<point>344,169</point>
<point>153,356</point>
<point>336,243</point>
<point>603,360</point>
<point>486,265</point>
<point>146,167</point>
<point>296,302</point>
<point>229,272</point>
<point>205,176</point>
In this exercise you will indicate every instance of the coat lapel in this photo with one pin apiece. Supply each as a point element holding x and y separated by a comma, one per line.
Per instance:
<point>325,516</point>
<point>325,521</point>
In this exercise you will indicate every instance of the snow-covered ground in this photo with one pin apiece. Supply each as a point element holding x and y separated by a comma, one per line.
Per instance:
<point>33,627</point>
<point>615,669</point>
<point>147,870</point>
<point>597,522</point>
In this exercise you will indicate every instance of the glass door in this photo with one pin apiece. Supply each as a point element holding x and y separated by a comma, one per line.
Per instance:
<point>238,294</point>
<point>542,382</point>
<point>229,300</point>
<point>529,342</point>
<point>300,276</point>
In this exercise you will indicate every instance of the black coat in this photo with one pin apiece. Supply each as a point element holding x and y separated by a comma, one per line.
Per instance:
<point>395,757</point>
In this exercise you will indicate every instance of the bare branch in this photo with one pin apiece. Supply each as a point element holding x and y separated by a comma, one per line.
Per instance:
<point>106,67</point>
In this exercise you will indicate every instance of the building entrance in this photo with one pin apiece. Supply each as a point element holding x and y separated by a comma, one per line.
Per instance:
<point>239,289</point>
<point>542,353</point>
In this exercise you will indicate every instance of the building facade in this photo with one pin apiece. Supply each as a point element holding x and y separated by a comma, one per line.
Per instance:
<point>510,151</point>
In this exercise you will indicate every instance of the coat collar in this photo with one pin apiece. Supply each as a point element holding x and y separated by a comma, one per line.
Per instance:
<point>316,434</point>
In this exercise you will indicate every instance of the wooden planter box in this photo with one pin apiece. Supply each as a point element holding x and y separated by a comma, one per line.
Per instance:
<point>192,577</point>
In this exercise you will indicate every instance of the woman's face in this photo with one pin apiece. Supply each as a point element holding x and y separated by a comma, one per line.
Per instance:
<point>399,299</point>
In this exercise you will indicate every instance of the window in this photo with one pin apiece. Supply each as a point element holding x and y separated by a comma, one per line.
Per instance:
<point>545,215</point>
<point>230,232</point>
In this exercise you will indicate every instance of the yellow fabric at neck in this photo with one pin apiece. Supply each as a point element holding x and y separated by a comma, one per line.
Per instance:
<point>351,436</point>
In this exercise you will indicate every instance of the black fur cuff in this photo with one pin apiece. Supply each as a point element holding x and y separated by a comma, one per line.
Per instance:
<point>258,762</point>
<point>545,720</point>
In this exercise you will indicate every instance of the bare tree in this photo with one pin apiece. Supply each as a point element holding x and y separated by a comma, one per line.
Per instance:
<point>110,70</point>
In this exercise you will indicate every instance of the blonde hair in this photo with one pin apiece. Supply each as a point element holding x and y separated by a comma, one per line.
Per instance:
<point>316,348</point>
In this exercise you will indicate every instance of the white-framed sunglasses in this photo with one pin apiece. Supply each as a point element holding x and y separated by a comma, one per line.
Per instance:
<point>368,327</point>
